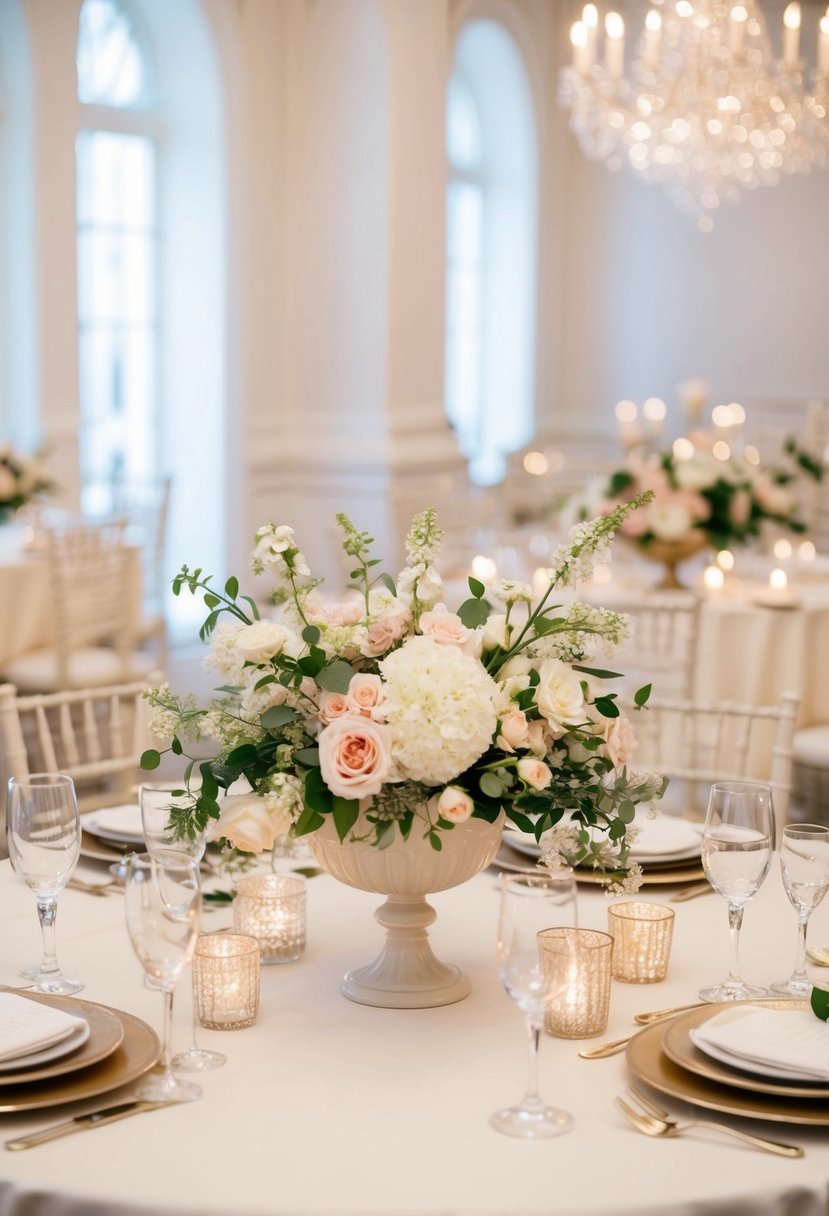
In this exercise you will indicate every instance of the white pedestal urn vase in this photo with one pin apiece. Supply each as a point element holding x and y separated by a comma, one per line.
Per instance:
<point>406,974</point>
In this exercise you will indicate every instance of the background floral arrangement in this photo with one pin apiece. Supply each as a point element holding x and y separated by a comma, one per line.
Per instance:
<point>21,479</point>
<point>390,713</point>
<point>724,502</point>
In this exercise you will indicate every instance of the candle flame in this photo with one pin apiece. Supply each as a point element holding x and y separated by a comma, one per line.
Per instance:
<point>578,34</point>
<point>653,21</point>
<point>791,17</point>
<point>778,580</point>
<point>590,16</point>
<point>614,26</point>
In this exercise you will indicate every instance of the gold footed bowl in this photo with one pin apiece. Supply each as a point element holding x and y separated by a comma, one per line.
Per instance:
<point>672,553</point>
<point>406,974</point>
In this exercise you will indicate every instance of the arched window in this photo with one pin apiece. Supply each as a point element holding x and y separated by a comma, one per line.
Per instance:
<point>491,216</point>
<point>117,251</point>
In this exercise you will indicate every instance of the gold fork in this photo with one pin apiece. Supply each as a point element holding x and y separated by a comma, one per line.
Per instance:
<point>654,1121</point>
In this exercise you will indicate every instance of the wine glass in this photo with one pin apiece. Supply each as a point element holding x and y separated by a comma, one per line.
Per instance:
<point>162,897</point>
<point>44,833</point>
<point>804,865</point>
<point>157,804</point>
<point>531,902</point>
<point>737,843</point>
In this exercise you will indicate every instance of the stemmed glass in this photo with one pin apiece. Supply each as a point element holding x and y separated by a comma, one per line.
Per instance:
<point>162,906</point>
<point>529,903</point>
<point>44,833</point>
<point>157,802</point>
<point>737,843</point>
<point>804,865</point>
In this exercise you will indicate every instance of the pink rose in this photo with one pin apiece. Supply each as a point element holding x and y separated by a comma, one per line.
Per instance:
<point>619,741</point>
<point>455,805</point>
<point>514,731</point>
<point>740,508</point>
<point>534,773</point>
<point>539,737</point>
<point>365,693</point>
<point>703,441</point>
<point>386,629</point>
<point>447,629</point>
<point>333,705</point>
<point>355,757</point>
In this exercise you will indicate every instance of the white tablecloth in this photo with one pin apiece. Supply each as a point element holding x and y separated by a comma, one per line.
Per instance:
<point>328,1107</point>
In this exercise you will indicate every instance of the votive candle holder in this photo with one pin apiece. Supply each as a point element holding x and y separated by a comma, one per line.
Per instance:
<point>580,1010</point>
<point>642,934</point>
<point>271,907</point>
<point>226,980</point>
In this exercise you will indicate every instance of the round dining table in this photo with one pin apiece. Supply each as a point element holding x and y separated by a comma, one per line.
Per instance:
<point>326,1107</point>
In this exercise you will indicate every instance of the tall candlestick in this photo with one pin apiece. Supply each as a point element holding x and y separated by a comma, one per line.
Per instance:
<point>590,21</point>
<point>578,38</point>
<point>737,29</point>
<point>653,35</point>
<point>791,34</point>
<point>823,46</point>
<point>614,45</point>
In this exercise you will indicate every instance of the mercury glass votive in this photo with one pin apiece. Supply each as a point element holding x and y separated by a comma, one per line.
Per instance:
<point>642,934</point>
<point>226,980</point>
<point>271,907</point>
<point>581,1008</point>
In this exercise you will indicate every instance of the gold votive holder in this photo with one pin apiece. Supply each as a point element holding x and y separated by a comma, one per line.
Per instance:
<point>226,980</point>
<point>642,934</point>
<point>271,907</point>
<point>580,960</point>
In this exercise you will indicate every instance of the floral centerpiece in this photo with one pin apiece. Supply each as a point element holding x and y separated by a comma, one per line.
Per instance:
<point>701,496</point>
<point>21,480</point>
<point>392,716</point>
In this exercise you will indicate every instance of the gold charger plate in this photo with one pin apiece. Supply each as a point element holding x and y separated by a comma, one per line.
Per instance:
<point>138,1051</point>
<point>95,849</point>
<point>106,1033</point>
<point>679,1047</point>
<point>514,862</point>
<point>648,1062</point>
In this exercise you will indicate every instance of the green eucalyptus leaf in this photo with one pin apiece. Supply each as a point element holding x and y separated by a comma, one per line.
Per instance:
<point>642,694</point>
<point>276,716</point>
<point>308,756</point>
<point>150,759</point>
<point>311,634</point>
<point>345,815</point>
<point>232,587</point>
<point>491,785</point>
<point>474,612</point>
<point>336,677</point>
<point>476,587</point>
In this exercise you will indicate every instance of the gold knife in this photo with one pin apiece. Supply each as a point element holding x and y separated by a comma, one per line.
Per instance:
<point>96,1118</point>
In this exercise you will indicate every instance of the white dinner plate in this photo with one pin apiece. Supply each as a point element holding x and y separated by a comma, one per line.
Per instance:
<point>71,1043</point>
<point>121,824</point>
<point>522,842</point>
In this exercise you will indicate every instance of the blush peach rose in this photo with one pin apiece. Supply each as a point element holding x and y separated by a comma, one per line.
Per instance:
<point>534,772</point>
<point>355,757</point>
<point>455,804</point>
<point>365,694</point>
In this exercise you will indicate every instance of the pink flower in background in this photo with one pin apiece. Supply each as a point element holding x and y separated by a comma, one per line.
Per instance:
<point>740,508</point>
<point>447,629</point>
<point>387,628</point>
<point>619,741</point>
<point>703,441</point>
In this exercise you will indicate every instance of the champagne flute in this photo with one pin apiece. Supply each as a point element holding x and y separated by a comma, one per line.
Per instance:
<point>158,802</point>
<point>737,843</point>
<point>804,865</point>
<point>162,897</point>
<point>44,833</point>
<point>530,903</point>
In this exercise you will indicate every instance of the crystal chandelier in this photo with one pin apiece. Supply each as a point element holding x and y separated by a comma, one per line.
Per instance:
<point>707,110</point>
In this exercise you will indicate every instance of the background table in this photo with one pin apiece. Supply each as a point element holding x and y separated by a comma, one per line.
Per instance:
<point>328,1107</point>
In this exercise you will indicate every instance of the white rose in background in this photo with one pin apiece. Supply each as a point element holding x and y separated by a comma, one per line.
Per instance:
<point>261,641</point>
<point>355,757</point>
<point>669,520</point>
<point>699,473</point>
<point>559,696</point>
<point>455,805</point>
<point>246,822</point>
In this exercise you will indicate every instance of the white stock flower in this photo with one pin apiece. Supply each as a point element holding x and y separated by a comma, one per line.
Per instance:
<point>509,591</point>
<point>440,710</point>
<point>225,656</point>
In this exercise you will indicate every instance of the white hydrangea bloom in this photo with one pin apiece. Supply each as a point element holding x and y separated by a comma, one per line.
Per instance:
<point>440,709</point>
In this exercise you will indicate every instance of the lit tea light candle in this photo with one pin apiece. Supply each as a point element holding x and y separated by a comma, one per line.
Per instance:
<point>782,550</point>
<point>725,560</point>
<point>484,568</point>
<point>778,594</point>
<point>226,980</point>
<point>713,578</point>
<point>626,415</point>
<point>654,411</point>
<point>806,551</point>
<point>541,581</point>
<point>271,908</point>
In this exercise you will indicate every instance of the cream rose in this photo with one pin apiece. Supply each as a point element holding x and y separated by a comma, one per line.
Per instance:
<point>246,822</point>
<point>619,741</point>
<point>447,629</point>
<point>534,772</point>
<point>261,641</point>
<point>365,694</point>
<point>455,805</point>
<point>355,757</point>
<point>514,731</point>
<point>559,696</point>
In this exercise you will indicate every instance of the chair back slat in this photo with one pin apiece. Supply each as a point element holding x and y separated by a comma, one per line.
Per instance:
<point>67,736</point>
<point>47,747</point>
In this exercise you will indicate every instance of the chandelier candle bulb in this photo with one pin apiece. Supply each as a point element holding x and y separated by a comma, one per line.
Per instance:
<point>590,21</point>
<point>578,38</point>
<point>737,29</point>
<point>271,908</point>
<point>823,46</point>
<point>653,36</point>
<point>614,46</point>
<point>791,35</point>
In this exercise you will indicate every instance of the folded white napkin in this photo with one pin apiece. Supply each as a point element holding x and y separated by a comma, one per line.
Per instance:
<point>790,1039</point>
<point>664,834</point>
<point>27,1026</point>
